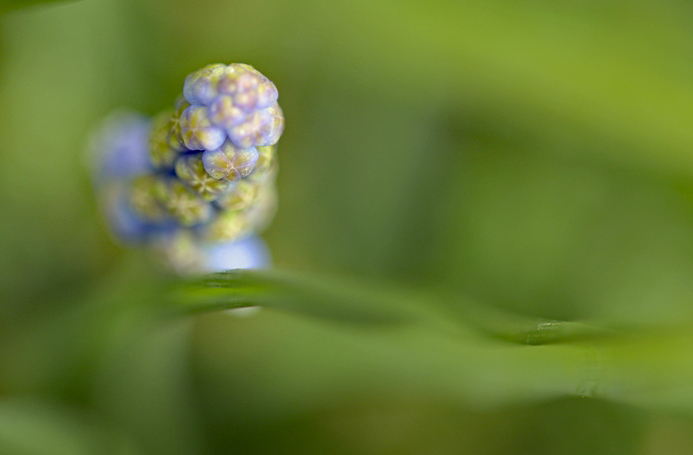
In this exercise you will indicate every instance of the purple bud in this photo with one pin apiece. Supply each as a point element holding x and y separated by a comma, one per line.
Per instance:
<point>230,162</point>
<point>198,132</point>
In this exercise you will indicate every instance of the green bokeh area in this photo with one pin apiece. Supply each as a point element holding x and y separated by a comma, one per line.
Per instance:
<point>527,158</point>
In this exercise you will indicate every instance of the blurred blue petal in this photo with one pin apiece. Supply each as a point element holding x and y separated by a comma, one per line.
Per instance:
<point>247,253</point>
<point>119,148</point>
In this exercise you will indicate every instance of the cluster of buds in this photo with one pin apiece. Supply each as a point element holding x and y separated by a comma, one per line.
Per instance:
<point>196,177</point>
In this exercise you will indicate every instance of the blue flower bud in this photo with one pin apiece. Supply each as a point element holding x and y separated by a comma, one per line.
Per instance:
<point>230,162</point>
<point>180,251</point>
<point>119,148</point>
<point>164,146</point>
<point>240,100</point>
<point>248,88</point>
<point>200,87</point>
<point>199,179</point>
<point>226,227</point>
<point>224,113</point>
<point>176,138</point>
<point>249,208</point>
<point>261,128</point>
<point>183,204</point>
<point>198,132</point>
<point>272,131</point>
<point>125,220</point>
<point>186,254</point>
<point>266,167</point>
<point>144,198</point>
<point>190,170</point>
<point>263,209</point>
<point>267,95</point>
<point>246,253</point>
<point>241,197</point>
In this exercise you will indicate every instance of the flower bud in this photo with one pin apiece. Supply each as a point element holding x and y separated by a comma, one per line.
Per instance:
<point>241,197</point>
<point>261,128</point>
<point>183,204</point>
<point>165,142</point>
<point>143,198</point>
<point>200,87</point>
<point>230,162</point>
<point>118,148</point>
<point>190,170</point>
<point>197,130</point>
<point>226,227</point>
<point>266,166</point>
<point>199,179</point>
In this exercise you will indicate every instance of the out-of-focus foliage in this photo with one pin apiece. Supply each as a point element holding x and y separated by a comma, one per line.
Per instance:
<point>8,5</point>
<point>535,158</point>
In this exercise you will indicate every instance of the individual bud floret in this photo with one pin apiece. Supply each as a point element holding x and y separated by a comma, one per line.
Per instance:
<point>180,251</point>
<point>183,204</point>
<point>265,91</point>
<point>264,207</point>
<point>241,197</point>
<point>266,166</point>
<point>225,114</point>
<point>180,106</point>
<point>272,132</point>
<point>238,78</point>
<point>230,162</point>
<point>198,132</point>
<point>252,211</point>
<point>242,90</point>
<point>190,169</point>
<point>143,198</point>
<point>246,95</point>
<point>267,94</point>
<point>164,146</point>
<point>200,87</point>
<point>249,88</point>
<point>261,128</point>
<point>226,227</point>
<point>124,222</point>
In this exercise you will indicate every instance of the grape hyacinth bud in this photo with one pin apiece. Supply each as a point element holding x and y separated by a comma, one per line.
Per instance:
<point>197,183</point>
<point>191,170</point>
<point>183,204</point>
<point>266,167</point>
<point>241,197</point>
<point>197,129</point>
<point>200,87</point>
<point>125,222</point>
<point>230,162</point>
<point>118,149</point>
<point>164,147</point>
<point>238,100</point>
<point>144,200</point>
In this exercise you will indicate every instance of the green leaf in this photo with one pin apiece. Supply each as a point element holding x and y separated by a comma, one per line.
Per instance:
<point>9,5</point>
<point>356,302</point>
<point>320,297</point>
<point>29,426</point>
<point>456,350</point>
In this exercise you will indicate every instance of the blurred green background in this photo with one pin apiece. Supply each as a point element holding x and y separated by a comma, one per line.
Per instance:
<point>533,156</point>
